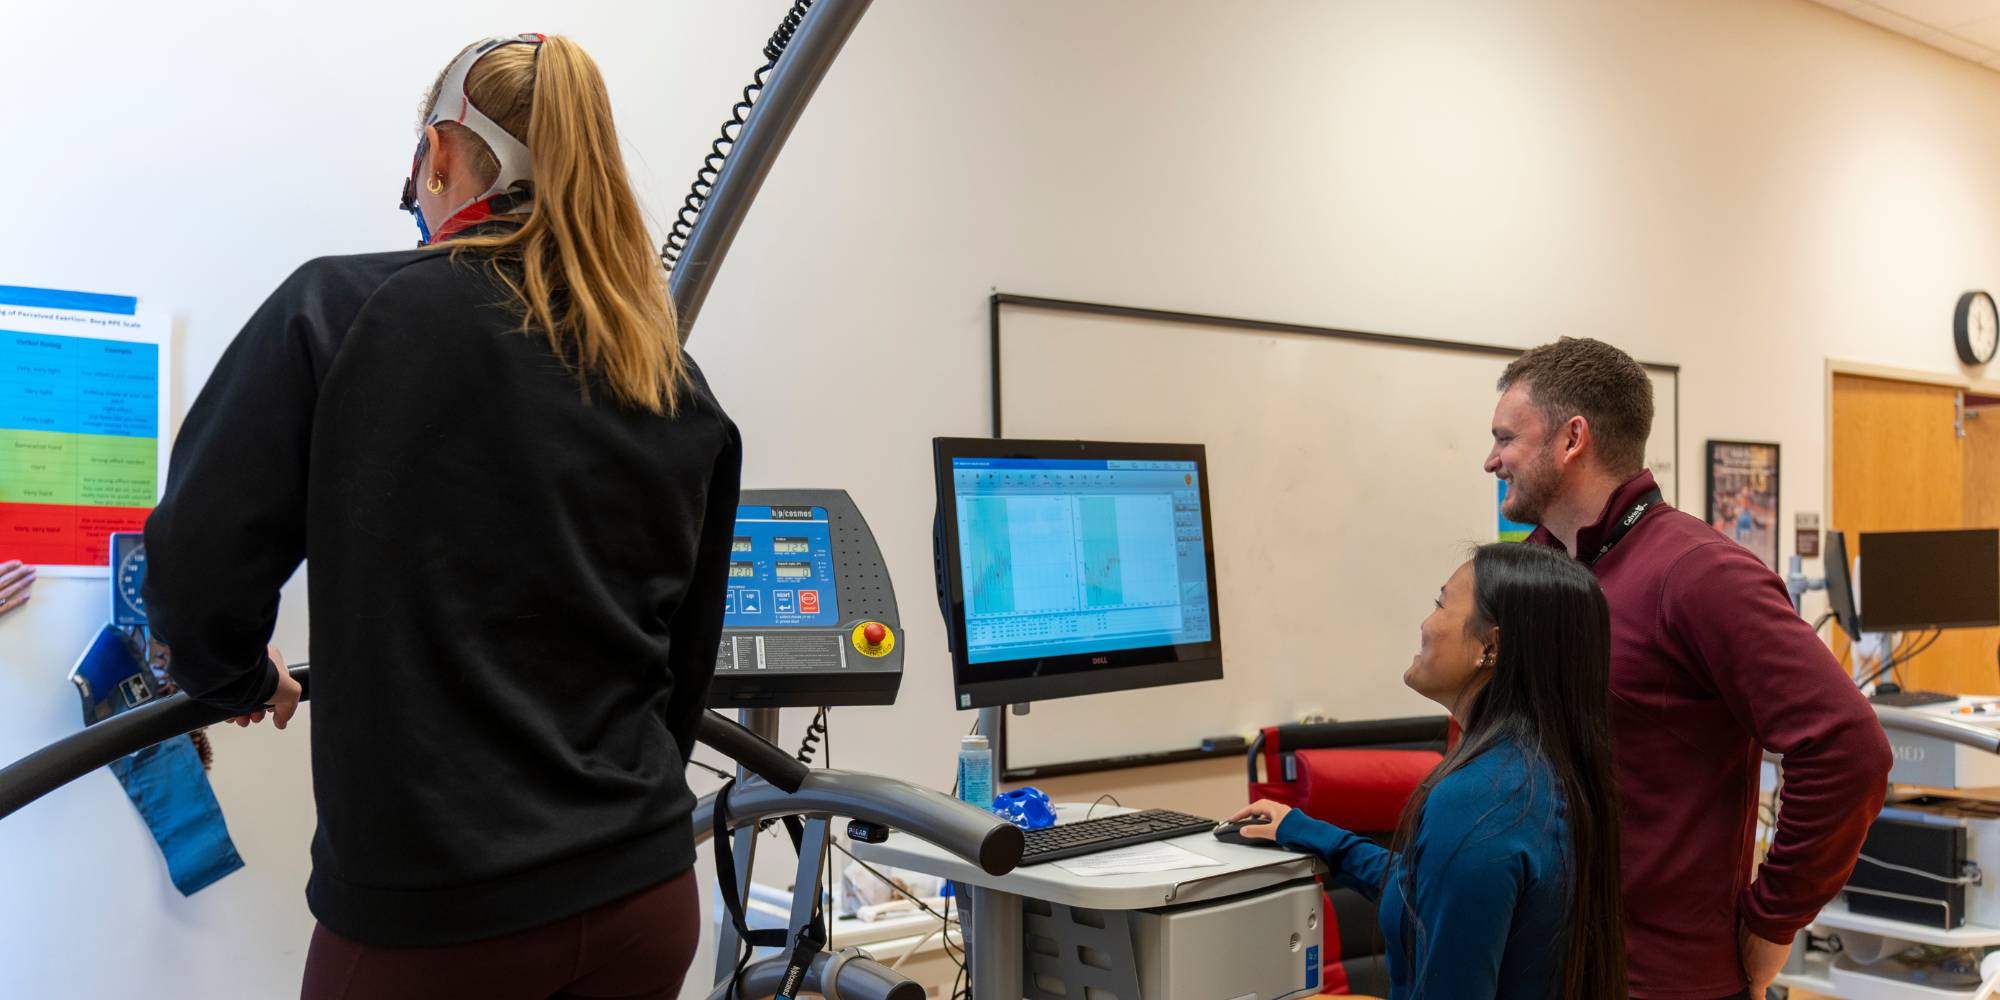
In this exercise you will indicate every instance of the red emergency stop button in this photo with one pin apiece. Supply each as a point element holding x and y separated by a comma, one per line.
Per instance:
<point>872,639</point>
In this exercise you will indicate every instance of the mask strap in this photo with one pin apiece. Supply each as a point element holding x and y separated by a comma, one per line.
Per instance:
<point>505,203</point>
<point>455,105</point>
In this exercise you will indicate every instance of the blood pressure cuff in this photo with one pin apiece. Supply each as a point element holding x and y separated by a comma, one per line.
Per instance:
<point>166,784</point>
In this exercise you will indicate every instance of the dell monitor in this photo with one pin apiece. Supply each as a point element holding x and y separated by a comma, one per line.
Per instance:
<point>1930,579</point>
<point>1840,585</point>
<point>1070,568</point>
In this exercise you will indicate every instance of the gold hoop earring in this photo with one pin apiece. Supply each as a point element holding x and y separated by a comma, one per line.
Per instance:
<point>435,185</point>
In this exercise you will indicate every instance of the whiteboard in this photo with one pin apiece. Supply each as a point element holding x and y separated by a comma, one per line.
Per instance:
<point>1346,485</point>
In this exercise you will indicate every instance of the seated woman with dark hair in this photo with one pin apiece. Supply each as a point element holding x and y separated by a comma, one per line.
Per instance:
<point>1503,880</point>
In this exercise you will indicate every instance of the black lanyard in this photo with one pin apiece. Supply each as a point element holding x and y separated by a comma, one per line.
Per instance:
<point>1623,526</point>
<point>808,940</point>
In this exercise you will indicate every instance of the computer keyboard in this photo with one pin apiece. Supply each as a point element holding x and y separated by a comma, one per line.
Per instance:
<point>1068,840</point>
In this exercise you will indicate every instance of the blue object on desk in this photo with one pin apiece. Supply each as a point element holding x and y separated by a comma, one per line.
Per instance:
<point>1028,808</point>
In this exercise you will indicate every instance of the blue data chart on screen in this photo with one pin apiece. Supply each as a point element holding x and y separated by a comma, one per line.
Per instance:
<point>781,569</point>
<point>1064,556</point>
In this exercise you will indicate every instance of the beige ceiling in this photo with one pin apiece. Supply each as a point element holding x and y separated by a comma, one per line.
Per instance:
<point>1968,29</point>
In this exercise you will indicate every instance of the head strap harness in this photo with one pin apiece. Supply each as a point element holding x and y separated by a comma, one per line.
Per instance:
<point>513,189</point>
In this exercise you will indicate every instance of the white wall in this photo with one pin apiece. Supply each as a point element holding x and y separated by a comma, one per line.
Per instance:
<point>1741,186</point>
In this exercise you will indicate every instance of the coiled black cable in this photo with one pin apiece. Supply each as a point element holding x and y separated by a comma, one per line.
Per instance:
<point>718,151</point>
<point>808,749</point>
<point>815,731</point>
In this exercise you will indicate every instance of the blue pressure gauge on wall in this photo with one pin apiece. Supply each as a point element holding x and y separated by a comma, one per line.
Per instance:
<point>128,578</point>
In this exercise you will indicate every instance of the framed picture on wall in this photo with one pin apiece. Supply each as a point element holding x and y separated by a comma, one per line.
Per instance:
<point>1743,495</point>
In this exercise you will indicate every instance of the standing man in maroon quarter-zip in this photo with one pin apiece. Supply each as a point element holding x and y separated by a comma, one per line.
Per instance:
<point>1710,666</point>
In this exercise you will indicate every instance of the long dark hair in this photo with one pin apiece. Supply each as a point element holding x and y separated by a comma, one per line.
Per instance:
<point>1549,694</point>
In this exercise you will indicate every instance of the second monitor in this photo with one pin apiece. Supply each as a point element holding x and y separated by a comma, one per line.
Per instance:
<point>1930,579</point>
<point>1074,567</point>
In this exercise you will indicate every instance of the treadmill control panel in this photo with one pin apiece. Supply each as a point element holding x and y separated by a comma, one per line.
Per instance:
<point>810,618</point>
<point>781,568</point>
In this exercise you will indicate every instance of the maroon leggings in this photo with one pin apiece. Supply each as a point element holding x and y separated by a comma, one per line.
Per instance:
<point>635,948</point>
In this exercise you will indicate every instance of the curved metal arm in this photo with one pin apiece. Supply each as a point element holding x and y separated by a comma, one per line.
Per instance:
<point>791,84</point>
<point>859,978</point>
<point>1904,720</point>
<point>974,834</point>
<point>74,756</point>
<point>754,752</point>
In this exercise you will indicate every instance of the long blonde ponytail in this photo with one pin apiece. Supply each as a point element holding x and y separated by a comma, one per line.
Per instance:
<point>590,280</point>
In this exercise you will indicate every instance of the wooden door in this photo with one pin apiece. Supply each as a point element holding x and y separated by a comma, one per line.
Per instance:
<point>1899,464</point>
<point>1982,510</point>
<point>1982,467</point>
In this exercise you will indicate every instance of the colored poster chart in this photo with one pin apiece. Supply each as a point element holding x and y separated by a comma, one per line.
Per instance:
<point>81,412</point>
<point>1510,531</point>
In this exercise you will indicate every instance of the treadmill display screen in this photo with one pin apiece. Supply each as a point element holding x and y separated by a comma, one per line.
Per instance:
<point>781,573</point>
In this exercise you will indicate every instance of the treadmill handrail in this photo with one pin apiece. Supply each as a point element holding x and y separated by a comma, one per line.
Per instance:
<point>755,753</point>
<point>787,787</point>
<point>80,753</point>
<point>1942,727</point>
<point>976,835</point>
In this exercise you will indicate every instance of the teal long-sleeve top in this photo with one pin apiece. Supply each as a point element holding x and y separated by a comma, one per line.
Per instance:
<point>1486,914</point>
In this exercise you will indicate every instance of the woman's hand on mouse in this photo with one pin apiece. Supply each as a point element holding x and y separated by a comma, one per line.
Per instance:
<point>1267,815</point>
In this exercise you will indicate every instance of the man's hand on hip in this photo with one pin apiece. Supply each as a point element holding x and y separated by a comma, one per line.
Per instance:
<point>1762,960</point>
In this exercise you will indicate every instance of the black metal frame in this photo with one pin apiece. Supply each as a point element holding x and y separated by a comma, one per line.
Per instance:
<point>999,299</point>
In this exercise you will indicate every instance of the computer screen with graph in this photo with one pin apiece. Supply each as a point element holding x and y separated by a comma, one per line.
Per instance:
<point>1074,567</point>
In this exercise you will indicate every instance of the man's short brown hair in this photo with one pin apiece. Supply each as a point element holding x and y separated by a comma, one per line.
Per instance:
<point>1578,376</point>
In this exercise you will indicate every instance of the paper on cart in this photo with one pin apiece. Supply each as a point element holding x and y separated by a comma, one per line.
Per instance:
<point>1160,857</point>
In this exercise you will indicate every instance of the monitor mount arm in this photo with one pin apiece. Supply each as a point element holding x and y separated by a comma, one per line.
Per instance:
<point>1800,584</point>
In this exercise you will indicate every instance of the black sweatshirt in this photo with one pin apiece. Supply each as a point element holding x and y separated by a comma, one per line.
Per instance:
<point>516,594</point>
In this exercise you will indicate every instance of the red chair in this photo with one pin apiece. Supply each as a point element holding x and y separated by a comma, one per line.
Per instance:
<point>1358,775</point>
